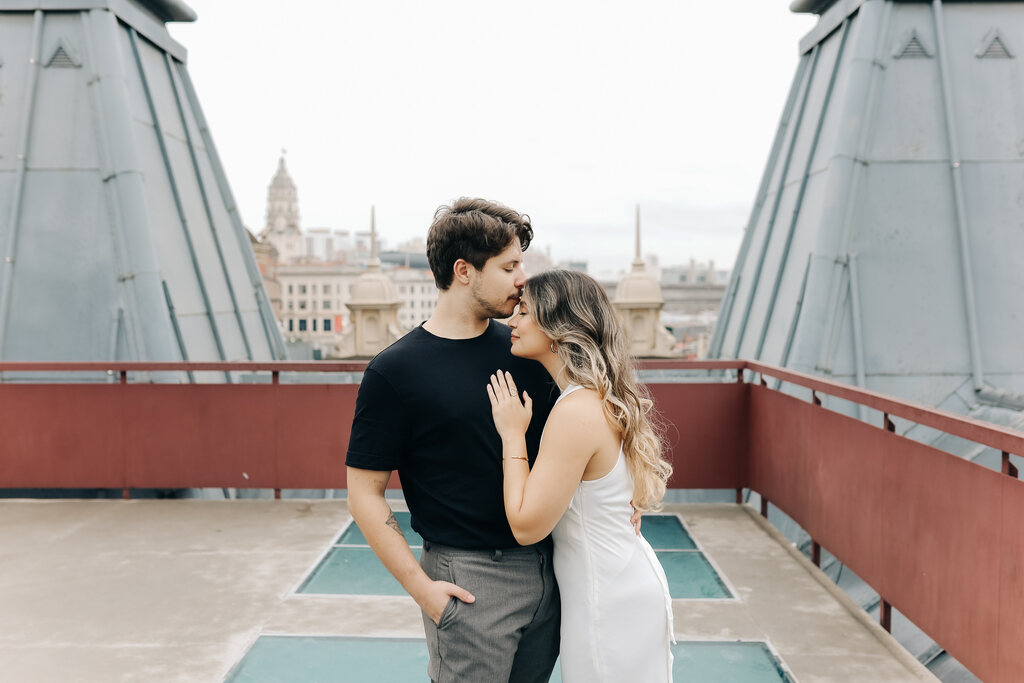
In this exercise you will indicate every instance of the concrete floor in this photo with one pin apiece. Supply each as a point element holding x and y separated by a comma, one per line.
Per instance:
<point>178,590</point>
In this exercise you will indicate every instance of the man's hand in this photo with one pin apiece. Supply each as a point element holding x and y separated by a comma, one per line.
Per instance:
<point>635,518</point>
<point>436,596</point>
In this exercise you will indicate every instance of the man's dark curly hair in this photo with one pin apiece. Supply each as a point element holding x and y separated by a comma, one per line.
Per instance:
<point>474,230</point>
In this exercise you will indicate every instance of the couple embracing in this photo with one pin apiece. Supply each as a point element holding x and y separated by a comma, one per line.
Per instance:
<point>529,543</point>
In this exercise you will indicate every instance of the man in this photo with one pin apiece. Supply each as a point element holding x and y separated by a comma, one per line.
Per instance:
<point>490,607</point>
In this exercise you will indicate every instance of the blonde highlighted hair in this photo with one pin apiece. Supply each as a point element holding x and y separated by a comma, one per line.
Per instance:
<point>573,310</point>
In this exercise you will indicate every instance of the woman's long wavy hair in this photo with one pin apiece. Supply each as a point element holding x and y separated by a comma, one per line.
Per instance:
<point>574,310</point>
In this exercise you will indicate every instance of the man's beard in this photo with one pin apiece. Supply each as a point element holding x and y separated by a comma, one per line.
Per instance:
<point>491,309</point>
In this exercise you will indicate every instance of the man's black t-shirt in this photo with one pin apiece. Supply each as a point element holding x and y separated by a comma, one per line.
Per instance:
<point>422,409</point>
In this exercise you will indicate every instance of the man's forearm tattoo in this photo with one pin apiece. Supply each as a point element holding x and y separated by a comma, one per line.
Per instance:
<point>393,523</point>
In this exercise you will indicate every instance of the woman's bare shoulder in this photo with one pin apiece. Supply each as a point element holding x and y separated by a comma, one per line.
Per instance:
<point>581,407</point>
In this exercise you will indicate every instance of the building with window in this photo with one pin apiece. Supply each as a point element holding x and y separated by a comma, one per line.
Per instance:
<point>417,292</point>
<point>313,298</point>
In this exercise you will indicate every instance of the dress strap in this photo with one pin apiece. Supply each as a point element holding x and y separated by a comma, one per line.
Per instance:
<point>568,390</point>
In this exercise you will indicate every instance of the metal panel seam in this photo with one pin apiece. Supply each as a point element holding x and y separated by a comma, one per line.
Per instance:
<point>14,217</point>
<point>718,338</point>
<point>152,30</point>
<point>126,293</point>
<point>858,332</point>
<point>798,206</point>
<point>752,290</point>
<point>829,22</point>
<point>958,197</point>
<point>206,207</point>
<point>177,330</point>
<point>274,339</point>
<point>158,131</point>
<point>827,344</point>
<point>796,316</point>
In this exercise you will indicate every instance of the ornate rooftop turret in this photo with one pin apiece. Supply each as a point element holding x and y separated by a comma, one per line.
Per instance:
<point>639,288</point>
<point>282,202</point>
<point>282,229</point>
<point>374,307</point>
<point>639,302</point>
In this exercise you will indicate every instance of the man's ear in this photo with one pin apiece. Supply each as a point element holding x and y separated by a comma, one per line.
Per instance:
<point>462,268</point>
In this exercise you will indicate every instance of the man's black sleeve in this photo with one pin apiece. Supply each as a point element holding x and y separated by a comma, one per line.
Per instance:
<point>379,427</point>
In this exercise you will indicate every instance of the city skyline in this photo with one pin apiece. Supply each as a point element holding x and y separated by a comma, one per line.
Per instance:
<point>380,105</point>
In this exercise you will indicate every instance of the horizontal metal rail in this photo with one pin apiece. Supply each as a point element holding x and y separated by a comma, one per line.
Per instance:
<point>291,366</point>
<point>995,436</point>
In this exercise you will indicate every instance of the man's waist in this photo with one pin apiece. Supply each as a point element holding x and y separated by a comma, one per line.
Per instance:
<point>541,546</point>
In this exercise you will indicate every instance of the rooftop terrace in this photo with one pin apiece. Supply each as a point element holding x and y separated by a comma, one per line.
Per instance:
<point>198,590</point>
<point>185,591</point>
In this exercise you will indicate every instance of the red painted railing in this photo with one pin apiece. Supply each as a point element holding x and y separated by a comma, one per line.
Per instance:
<point>940,538</point>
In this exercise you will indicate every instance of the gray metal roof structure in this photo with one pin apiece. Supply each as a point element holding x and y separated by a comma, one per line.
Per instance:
<point>884,246</point>
<point>121,239</point>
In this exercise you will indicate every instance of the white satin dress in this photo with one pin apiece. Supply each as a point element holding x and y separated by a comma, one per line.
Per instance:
<point>616,607</point>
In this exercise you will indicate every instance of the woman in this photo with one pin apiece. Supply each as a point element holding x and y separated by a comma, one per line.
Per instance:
<point>599,452</point>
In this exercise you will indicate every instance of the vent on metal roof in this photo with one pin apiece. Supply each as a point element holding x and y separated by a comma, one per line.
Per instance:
<point>911,46</point>
<point>993,46</point>
<point>63,57</point>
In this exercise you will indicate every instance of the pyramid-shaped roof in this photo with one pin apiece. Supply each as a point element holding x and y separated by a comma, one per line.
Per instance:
<point>121,239</point>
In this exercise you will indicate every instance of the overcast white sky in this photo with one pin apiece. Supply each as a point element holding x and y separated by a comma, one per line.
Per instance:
<point>571,111</point>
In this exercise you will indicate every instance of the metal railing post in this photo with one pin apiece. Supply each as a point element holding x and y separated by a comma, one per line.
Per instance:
<point>885,615</point>
<point>1009,468</point>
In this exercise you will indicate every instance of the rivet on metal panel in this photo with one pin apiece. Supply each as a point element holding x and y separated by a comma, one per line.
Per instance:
<point>816,553</point>
<point>885,615</point>
<point>1009,468</point>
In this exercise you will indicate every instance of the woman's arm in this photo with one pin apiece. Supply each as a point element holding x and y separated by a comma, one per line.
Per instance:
<point>535,500</point>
